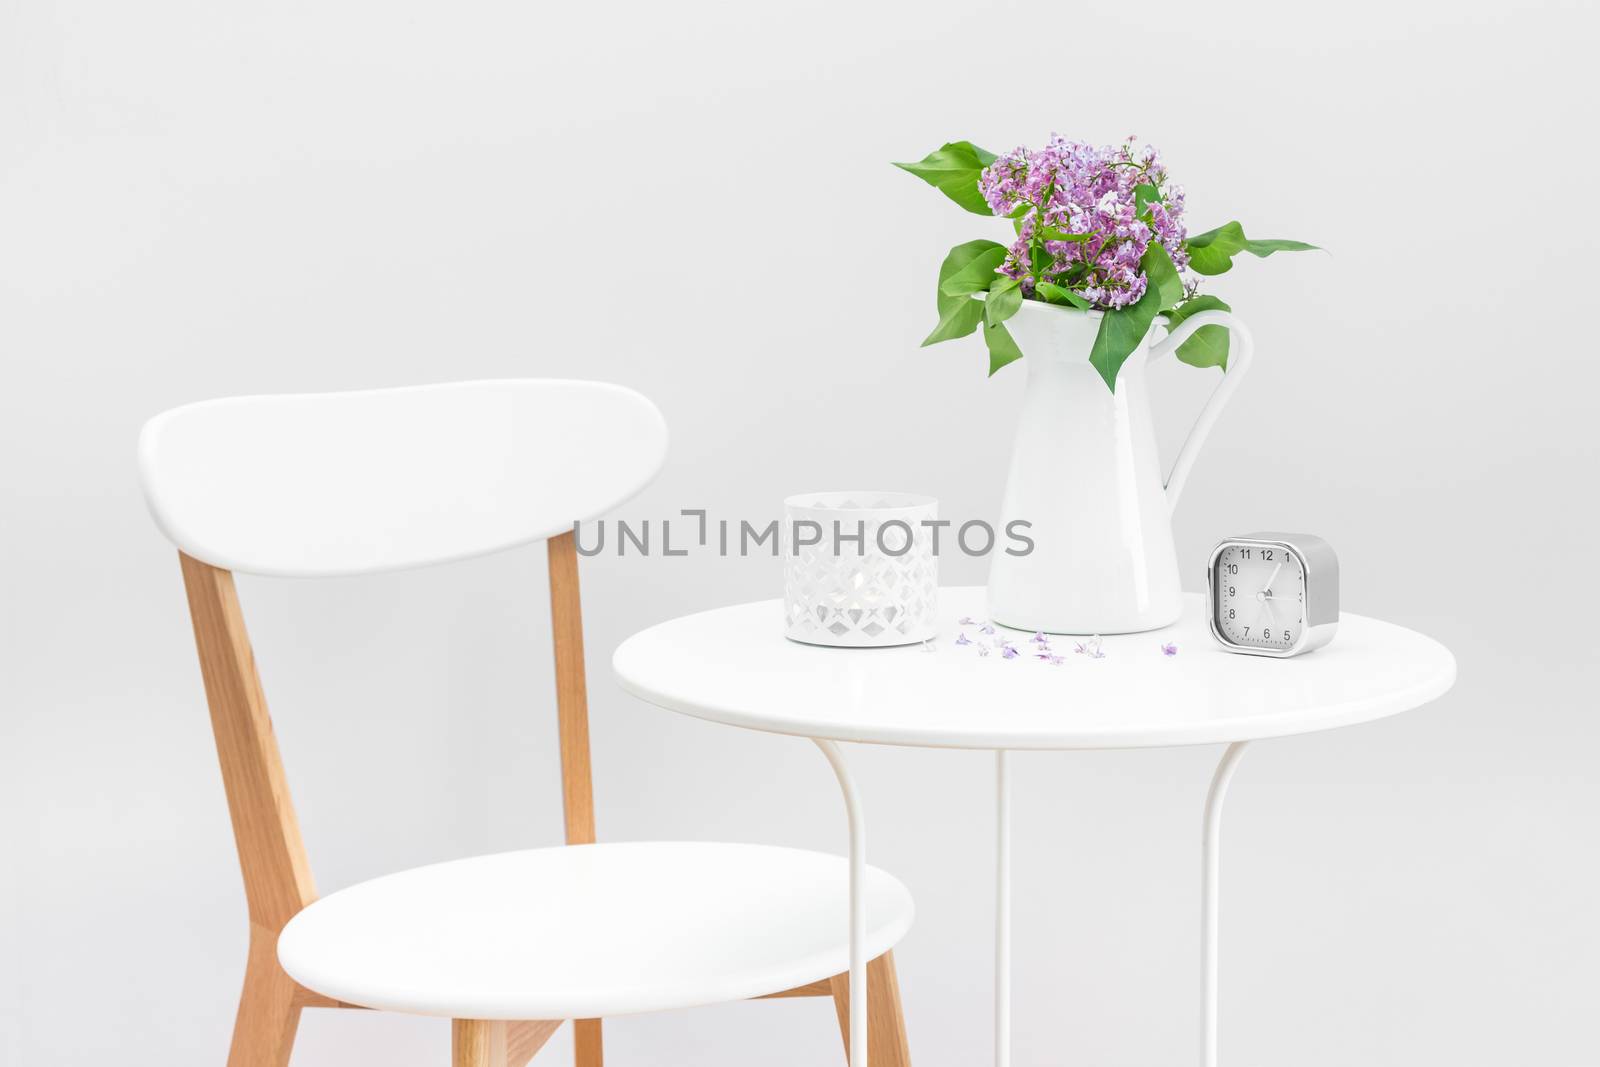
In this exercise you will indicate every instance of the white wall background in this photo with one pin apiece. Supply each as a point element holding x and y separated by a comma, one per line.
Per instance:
<point>199,199</point>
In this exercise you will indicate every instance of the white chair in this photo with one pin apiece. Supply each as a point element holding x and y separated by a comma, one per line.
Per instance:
<point>508,946</point>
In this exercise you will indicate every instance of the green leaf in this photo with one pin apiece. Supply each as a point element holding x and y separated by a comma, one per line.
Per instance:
<point>959,315</point>
<point>1005,297</point>
<point>958,320</point>
<point>1120,333</point>
<point>1057,294</point>
<point>1266,248</point>
<point>1212,252</point>
<point>1207,346</point>
<point>976,275</point>
<point>1143,197</point>
<point>959,257</point>
<point>954,170</point>
<point>1002,347</point>
<point>1161,274</point>
<point>1050,233</point>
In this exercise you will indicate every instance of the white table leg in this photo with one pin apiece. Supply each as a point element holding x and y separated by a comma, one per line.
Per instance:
<point>1210,847</point>
<point>858,903</point>
<point>1002,912</point>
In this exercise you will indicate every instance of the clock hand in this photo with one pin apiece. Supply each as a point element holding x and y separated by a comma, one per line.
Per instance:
<point>1265,594</point>
<point>1268,587</point>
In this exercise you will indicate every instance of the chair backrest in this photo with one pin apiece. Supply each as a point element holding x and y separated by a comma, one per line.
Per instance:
<point>354,483</point>
<point>351,483</point>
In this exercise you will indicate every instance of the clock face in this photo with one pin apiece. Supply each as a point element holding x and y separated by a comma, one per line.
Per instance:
<point>1260,596</point>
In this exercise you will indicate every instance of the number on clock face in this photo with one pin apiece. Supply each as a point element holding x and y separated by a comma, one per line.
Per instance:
<point>1260,596</point>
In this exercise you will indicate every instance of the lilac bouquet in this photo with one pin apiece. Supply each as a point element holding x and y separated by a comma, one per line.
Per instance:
<point>1097,228</point>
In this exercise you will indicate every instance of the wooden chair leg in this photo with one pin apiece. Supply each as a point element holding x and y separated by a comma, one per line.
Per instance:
<point>886,1022</point>
<point>269,1010</point>
<point>525,1039</point>
<point>586,1043</point>
<point>477,1043</point>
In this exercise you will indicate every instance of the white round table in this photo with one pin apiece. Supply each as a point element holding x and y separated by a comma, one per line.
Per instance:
<point>987,687</point>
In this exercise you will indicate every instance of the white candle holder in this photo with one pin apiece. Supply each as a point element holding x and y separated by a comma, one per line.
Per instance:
<point>859,569</point>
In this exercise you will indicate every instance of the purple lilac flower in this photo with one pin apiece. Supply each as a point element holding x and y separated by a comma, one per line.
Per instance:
<point>965,620</point>
<point>1078,189</point>
<point>1091,648</point>
<point>983,650</point>
<point>986,629</point>
<point>963,640</point>
<point>1041,640</point>
<point>1169,649</point>
<point>1008,651</point>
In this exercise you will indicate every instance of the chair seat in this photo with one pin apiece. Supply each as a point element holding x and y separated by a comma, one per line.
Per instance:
<point>589,930</point>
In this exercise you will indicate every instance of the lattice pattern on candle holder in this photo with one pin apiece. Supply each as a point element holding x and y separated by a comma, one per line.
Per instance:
<point>836,593</point>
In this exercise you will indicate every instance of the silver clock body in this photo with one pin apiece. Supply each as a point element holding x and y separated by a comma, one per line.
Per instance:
<point>1312,585</point>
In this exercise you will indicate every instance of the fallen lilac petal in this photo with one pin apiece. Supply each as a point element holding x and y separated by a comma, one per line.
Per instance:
<point>1169,649</point>
<point>983,650</point>
<point>986,628</point>
<point>963,640</point>
<point>1007,652</point>
<point>966,620</point>
<point>1040,639</point>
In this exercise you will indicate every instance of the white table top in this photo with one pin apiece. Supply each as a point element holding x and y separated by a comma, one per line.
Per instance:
<point>733,665</point>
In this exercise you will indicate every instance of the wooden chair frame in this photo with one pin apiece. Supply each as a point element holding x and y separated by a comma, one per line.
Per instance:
<point>277,876</point>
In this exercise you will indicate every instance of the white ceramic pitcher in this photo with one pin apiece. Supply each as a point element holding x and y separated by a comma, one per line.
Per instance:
<point>1086,474</point>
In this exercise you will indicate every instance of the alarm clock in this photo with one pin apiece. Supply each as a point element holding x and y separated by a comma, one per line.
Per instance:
<point>1273,594</point>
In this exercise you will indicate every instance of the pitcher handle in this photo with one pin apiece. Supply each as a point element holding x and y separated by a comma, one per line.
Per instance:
<point>1240,349</point>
